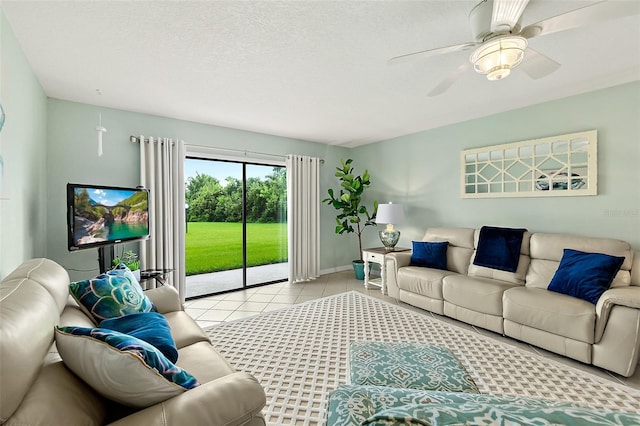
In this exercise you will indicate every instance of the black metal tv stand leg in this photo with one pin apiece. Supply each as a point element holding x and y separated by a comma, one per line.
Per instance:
<point>104,262</point>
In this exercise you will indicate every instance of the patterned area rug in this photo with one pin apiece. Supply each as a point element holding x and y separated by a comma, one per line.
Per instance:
<point>300,355</point>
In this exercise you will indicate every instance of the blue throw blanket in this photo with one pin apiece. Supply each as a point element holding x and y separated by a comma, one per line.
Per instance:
<point>499,248</point>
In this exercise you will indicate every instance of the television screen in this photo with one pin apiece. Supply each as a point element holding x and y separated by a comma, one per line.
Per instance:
<point>103,215</point>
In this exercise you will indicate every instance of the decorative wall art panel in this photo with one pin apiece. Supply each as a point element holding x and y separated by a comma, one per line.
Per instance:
<point>564,165</point>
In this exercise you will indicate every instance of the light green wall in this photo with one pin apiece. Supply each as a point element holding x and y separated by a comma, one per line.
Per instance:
<point>424,172</point>
<point>23,149</point>
<point>72,157</point>
<point>47,143</point>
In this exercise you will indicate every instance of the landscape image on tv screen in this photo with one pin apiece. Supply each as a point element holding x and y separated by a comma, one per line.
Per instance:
<point>109,214</point>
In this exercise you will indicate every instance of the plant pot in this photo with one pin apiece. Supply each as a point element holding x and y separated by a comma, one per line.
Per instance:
<point>136,274</point>
<point>358,268</point>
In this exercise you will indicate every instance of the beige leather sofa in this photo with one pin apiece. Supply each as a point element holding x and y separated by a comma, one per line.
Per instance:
<point>37,389</point>
<point>520,306</point>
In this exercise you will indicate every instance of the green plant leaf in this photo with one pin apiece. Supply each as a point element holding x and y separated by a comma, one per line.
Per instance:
<point>348,203</point>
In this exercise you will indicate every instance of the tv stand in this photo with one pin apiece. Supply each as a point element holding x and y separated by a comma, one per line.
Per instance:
<point>104,262</point>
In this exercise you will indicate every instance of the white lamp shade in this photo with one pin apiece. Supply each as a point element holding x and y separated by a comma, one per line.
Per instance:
<point>390,213</point>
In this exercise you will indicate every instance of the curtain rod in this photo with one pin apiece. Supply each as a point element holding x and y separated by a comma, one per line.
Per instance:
<point>243,151</point>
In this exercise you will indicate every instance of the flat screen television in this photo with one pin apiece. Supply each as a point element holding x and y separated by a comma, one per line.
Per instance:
<point>99,216</point>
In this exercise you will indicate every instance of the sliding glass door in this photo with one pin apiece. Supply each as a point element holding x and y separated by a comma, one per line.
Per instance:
<point>266,224</point>
<point>236,225</point>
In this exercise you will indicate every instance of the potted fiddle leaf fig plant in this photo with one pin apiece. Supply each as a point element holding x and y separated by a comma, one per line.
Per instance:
<point>353,216</point>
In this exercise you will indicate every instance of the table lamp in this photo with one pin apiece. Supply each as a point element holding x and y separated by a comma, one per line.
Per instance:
<point>389,214</point>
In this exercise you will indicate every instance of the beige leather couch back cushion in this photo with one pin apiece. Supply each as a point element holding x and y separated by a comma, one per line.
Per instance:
<point>635,269</point>
<point>460,246</point>
<point>26,303</point>
<point>547,249</point>
<point>516,277</point>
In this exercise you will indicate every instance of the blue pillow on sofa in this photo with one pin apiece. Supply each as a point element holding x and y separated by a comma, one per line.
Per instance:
<point>430,255</point>
<point>585,275</point>
<point>151,327</point>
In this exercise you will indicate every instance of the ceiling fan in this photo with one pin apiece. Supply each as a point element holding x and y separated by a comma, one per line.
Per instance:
<point>501,44</point>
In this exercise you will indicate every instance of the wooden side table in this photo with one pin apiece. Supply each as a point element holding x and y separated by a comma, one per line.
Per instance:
<point>378,255</point>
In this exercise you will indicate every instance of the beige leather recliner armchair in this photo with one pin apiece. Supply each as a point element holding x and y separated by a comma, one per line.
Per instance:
<point>36,387</point>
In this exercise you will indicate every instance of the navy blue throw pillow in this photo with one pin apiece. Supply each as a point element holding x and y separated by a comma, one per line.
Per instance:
<point>151,327</point>
<point>430,255</point>
<point>585,275</point>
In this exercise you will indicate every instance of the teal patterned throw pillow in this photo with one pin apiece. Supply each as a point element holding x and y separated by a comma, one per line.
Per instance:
<point>120,367</point>
<point>122,270</point>
<point>111,295</point>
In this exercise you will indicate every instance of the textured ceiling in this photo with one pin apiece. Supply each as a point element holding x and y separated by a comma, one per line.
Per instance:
<point>311,70</point>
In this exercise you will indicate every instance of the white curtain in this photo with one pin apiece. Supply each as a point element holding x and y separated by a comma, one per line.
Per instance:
<point>303,211</point>
<point>162,172</point>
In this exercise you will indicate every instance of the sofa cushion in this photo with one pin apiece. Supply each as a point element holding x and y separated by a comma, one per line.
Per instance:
<point>151,327</point>
<point>184,329</point>
<point>110,295</point>
<point>120,367</point>
<point>517,277</point>
<point>204,362</point>
<point>429,254</point>
<point>59,397</point>
<point>585,275</point>
<point>459,237</point>
<point>547,250</point>
<point>551,312</point>
<point>422,281</point>
<point>477,294</point>
<point>28,311</point>
<point>460,246</point>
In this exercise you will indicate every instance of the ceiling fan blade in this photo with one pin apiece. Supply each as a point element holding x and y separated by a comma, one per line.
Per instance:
<point>593,14</point>
<point>537,65</point>
<point>506,14</point>
<point>447,82</point>
<point>431,52</point>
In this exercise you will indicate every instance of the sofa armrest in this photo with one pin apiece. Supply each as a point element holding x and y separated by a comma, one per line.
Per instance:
<point>622,296</point>
<point>230,400</point>
<point>165,298</point>
<point>394,262</point>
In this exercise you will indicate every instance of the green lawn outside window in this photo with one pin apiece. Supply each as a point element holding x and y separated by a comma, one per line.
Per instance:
<point>217,246</point>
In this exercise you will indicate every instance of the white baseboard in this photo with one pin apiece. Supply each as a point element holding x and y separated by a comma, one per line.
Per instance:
<point>336,269</point>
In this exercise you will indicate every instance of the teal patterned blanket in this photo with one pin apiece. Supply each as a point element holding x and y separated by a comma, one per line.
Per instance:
<point>381,405</point>
<point>408,365</point>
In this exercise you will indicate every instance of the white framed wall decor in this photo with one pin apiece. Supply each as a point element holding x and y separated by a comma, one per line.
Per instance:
<point>557,166</point>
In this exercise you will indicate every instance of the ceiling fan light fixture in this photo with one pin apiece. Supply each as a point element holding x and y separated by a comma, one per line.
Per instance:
<point>497,57</point>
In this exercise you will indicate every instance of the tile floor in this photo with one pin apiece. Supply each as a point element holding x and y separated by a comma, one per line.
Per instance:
<point>241,304</point>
